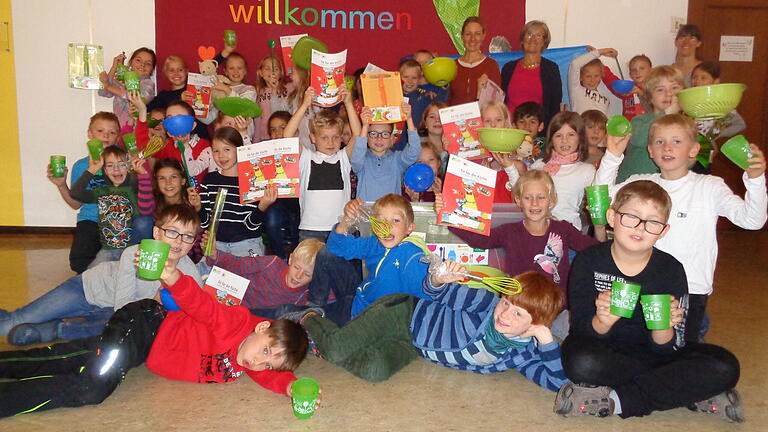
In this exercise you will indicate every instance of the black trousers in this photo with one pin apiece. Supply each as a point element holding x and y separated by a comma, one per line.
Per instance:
<point>646,381</point>
<point>694,319</point>
<point>82,371</point>
<point>85,245</point>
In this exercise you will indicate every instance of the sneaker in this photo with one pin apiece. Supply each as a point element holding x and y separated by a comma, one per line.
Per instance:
<point>726,405</point>
<point>576,400</point>
<point>313,349</point>
<point>300,316</point>
<point>27,334</point>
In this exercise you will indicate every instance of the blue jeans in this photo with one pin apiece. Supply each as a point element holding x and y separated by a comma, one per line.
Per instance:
<point>142,228</point>
<point>307,234</point>
<point>65,301</point>
<point>106,255</point>
<point>282,215</point>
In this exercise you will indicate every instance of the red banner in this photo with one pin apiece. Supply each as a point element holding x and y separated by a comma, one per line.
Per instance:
<point>380,34</point>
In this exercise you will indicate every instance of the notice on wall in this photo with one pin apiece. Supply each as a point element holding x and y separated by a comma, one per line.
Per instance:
<point>736,48</point>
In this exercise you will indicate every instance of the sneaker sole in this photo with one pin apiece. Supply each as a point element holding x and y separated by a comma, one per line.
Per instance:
<point>734,411</point>
<point>563,402</point>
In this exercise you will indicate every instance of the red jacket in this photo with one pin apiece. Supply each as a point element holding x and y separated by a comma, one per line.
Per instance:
<point>199,342</point>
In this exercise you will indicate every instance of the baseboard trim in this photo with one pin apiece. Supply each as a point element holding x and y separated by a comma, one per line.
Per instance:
<point>35,230</point>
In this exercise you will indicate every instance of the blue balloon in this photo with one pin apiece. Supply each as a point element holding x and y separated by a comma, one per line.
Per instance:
<point>179,125</point>
<point>167,300</point>
<point>419,177</point>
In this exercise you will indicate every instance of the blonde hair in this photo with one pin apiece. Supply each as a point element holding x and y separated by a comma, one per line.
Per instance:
<point>398,202</point>
<point>307,250</point>
<point>656,75</point>
<point>326,119</point>
<point>499,106</point>
<point>530,25</point>
<point>683,121</point>
<point>174,58</point>
<point>535,175</point>
<point>261,84</point>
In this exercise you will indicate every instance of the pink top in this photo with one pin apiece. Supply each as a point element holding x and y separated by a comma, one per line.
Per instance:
<point>524,86</point>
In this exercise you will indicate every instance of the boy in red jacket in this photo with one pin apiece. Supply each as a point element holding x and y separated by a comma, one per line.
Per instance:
<point>203,342</point>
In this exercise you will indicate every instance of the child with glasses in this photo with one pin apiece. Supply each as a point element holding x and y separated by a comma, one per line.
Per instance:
<point>617,366</point>
<point>115,198</point>
<point>379,169</point>
<point>101,290</point>
<point>697,202</point>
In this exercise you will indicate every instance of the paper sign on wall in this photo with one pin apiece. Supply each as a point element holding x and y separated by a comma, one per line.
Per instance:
<point>736,48</point>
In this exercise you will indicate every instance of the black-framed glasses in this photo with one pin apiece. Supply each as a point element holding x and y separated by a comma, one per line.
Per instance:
<point>173,235</point>
<point>631,221</point>
<point>374,134</point>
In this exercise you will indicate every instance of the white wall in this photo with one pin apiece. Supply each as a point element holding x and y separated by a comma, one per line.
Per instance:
<point>52,117</point>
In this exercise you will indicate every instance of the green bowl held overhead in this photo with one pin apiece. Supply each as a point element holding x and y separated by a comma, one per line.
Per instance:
<point>440,71</point>
<point>302,51</point>
<point>712,101</point>
<point>618,125</point>
<point>501,140</point>
<point>235,106</point>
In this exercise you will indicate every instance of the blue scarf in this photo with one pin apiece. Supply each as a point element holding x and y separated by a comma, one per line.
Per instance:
<point>497,342</point>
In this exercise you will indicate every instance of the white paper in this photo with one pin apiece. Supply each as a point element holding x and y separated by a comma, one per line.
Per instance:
<point>227,284</point>
<point>371,68</point>
<point>737,48</point>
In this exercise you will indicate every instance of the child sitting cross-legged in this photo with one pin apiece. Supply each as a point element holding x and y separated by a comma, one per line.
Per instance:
<point>203,342</point>
<point>451,325</point>
<point>620,366</point>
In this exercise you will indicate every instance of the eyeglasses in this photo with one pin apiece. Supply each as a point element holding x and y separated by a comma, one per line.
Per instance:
<point>173,235</point>
<point>116,167</point>
<point>537,36</point>
<point>374,135</point>
<point>651,226</point>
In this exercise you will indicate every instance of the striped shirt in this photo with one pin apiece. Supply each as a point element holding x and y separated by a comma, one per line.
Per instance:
<point>238,221</point>
<point>448,330</point>
<point>267,289</point>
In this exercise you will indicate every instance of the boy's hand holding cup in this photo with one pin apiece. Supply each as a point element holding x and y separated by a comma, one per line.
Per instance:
<point>603,313</point>
<point>305,397</point>
<point>756,162</point>
<point>152,260</point>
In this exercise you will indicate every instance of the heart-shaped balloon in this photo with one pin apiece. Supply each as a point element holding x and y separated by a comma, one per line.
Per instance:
<point>206,52</point>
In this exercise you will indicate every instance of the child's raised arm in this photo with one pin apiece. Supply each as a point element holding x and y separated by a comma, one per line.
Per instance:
<point>292,128</point>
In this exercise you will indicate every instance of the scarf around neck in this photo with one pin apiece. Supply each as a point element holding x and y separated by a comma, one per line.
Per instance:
<point>553,166</point>
<point>499,343</point>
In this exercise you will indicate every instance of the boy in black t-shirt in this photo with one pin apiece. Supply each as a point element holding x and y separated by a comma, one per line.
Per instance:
<point>617,365</point>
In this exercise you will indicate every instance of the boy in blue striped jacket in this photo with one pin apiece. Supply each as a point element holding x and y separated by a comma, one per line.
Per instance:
<point>458,327</point>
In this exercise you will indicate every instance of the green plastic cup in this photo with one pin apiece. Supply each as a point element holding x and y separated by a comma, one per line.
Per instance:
<point>230,37</point>
<point>121,70</point>
<point>618,125</point>
<point>656,310</point>
<point>129,140</point>
<point>304,393</point>
<point>95,147</point>
<point>58,165</point>
<point>132,81</point>
<point>624,297</point>
<point>152,257</point>
<point>598,200</point>
<point>737,150</point>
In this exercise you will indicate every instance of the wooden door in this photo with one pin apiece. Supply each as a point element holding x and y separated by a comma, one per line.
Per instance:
<point>718,18</point>
<point>12,213</point>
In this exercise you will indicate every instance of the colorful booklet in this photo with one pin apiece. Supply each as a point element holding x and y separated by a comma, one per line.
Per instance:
<point>468,193</point>
<point>201,87</point>
<point>383,94</point>
<point>327,77</point>
<point>286,46</point>
<point>460,253</point>
<point>268,162</point>
<point>226,287</point>
<point>460,124</point>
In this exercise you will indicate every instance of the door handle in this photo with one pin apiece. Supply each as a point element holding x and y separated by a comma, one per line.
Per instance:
<point>7,35</point>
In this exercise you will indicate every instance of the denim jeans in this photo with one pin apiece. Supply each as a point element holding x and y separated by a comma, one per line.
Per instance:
<point>65,301</point>
<point>282,215</point>
<point>142,228</point>
<point>106,255</point>
<point>307,234</point>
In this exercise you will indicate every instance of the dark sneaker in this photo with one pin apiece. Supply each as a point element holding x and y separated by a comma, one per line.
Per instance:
<point>313,349</point>
<point>726,405</point>
<point>28,334</point>
<point>300,316</point>
<point>578,400</point>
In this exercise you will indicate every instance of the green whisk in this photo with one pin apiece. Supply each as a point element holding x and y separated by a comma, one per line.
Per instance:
<point>501,284</point>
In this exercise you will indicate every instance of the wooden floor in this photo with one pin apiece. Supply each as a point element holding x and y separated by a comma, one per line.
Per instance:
<point>423,397</point>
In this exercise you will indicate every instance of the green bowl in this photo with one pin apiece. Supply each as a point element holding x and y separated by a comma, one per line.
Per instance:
<point>501,140</point>
<point>302,51</point>
<point>440,71</point>
<point>235,106</point>
<point>712,101</point>
<point>618,125</point>
<point>482,271</point>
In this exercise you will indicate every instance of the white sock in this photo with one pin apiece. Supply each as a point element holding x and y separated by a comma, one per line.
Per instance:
<point>616,402</point>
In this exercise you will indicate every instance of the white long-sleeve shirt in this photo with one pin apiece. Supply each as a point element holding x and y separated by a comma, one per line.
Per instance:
<point>697,201</point>
<point>570,182</point>
<point>583,99</point>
